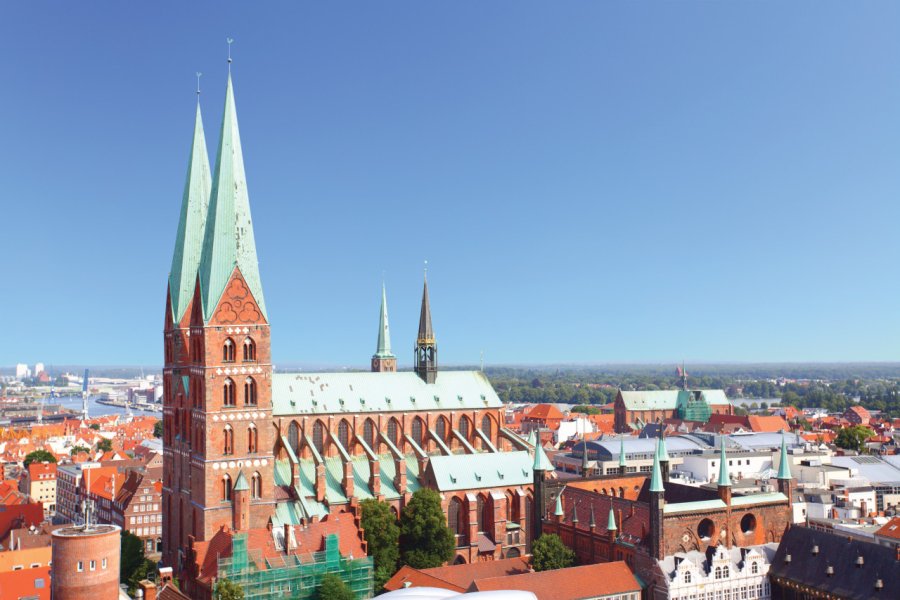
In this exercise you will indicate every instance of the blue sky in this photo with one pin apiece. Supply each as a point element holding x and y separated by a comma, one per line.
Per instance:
<point>589,181</point>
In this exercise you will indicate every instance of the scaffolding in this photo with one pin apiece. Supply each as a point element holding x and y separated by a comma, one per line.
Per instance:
<point>692,406</point>
<point>291,576</point>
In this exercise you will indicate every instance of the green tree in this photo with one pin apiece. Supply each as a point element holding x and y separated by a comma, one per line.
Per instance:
<point>78,449</point>
<point>333,587</point>
<point>104,445</point>
<point>229,590</point>
<point>382,538</point>
<point>39,456</point>
<point>95,426</point>
<point>132,555</point>
<point>853,438</point>
<point>425,539</point>
<point>158,429</point>
<point>548,552</point>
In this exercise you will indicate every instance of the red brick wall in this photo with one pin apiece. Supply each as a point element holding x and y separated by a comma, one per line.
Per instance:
<point>67,583</point>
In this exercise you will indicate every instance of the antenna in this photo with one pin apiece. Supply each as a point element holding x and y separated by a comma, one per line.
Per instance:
<point>229,41</point>
<point>199,75</point>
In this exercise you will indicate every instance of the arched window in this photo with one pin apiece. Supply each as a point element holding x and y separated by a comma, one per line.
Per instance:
<point>479,513</point>
<point>252,439</point>
<point>249,350</point>
<point>344,434</point>
<point>250,391</point>
<point>486,426</point>
<point>393,430</point>
<point>754,567</point>
<point>464,427</point>
<point>725,572</point>
<point>718,572</point>
<point>510,505</point>
<point>228,351</point>
<point>417,429</point>
<point>226,487</point>
<point>294,436</point>
<point>529,507</point>
<point>369,434</point>
<point>228,392</point>
<point>487,519</point>
<point>319,436</point>
<point>228,447</point>
<point>442,429</point>
<point>621,492</point>
<point>456,521</point>
<point>687,576</point>
<point>256,485</point>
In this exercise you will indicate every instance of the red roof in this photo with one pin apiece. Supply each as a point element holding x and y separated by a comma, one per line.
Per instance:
<point>891,529</point>
<point>456,577</point>
<point>25,583</point>
<point>768,424</point>
<point>574,583</point>
<point>543,412</point>
<point>48,470</point>
<point>861,412</point>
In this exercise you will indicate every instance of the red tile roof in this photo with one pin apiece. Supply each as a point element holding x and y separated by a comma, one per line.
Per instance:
<point>26,583</point>
<point>891,529</point>
<point>544,412</point>
<point>456,577</point>
<point>574,583</point>
<point>769,424</point>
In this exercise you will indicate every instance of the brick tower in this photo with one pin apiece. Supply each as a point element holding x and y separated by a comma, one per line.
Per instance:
<point>224,425</point>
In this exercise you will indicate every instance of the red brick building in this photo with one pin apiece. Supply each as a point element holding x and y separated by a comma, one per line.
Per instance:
<point>633,410</point>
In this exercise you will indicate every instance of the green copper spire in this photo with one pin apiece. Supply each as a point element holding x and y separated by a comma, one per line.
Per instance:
<point>784,470</point>
<point>611,524</point>
<point>384,332</point>
<point>559,511</point>
<point>532,440</point>
<point>189,240</point>
<point>541,462</point>
<point>593,522</point>
<point>240,484</point>
<point>724,479</point>
<point>622,452</point>
<point>656,484</point>
<point>661,449</point>
<point>228,241</point>
<point>574,513</point>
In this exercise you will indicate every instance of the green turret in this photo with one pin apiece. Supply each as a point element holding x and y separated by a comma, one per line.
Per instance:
<point>784,478</point>
<point>656,482</point>
<point>724,479</point>
<point>611,523</point>
<point>383,360</point>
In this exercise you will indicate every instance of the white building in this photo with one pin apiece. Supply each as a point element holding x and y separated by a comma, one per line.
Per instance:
<point>38,369</point>
<point>22,371</point>
<point>736,573</point>
<point>748,465</point>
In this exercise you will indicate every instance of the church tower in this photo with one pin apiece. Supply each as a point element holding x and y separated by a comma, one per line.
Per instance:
<point>383,361</point>
<point>177,360</point>
<point>426,346</point>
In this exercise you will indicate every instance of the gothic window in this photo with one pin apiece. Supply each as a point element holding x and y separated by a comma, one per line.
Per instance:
<point>249,350</point>
<point>319,436</point>
<point>393,430</point>
<point>252,439</point>
<point>486,426</point>
<point>442,429</point>
<point>344,434</point>
<point>228,351</point>
<point>294,436</point>
<point>226,488</point>
<point>487,519</point>
<point>256,485</point>
<point>228,392</point>
<point>621,492</point>
<point>228,447</point>
<point>369,434</point>
<point>417,431</point>
<point>529,507</point>
<point>250,391</point>
<point>479,513</point>
<point>455,520</point>
<point>464,427</point>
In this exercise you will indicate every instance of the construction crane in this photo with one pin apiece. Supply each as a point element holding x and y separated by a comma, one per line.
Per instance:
<point>84,396</point>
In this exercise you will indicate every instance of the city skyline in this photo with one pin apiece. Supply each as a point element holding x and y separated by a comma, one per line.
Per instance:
<point>561,219</point>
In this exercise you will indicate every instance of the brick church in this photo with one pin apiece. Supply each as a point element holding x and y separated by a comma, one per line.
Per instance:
<point>247,449</point>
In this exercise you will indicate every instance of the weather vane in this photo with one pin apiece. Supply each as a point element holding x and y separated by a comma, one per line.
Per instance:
<point>230,41</point>
<point>426,267</point>
<point>199,75</point>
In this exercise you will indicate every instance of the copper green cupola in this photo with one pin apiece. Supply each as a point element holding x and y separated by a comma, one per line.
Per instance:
<point>228,241</point>
<point>426,346</point>
<point>383,361</point>
<point>189,239</point>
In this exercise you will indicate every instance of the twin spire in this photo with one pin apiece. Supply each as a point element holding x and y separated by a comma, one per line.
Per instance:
<point>215,230</point>
<point>426,346</point>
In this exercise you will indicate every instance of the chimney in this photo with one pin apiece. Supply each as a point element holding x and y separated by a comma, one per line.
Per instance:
<point>149,589</point>
<point>287,538</point>
<point>165,575</point>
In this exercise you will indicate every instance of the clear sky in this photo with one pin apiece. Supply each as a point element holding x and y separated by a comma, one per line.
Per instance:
<point>589,181</point>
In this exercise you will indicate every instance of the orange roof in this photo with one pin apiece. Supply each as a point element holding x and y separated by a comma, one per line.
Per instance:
<point>769,424</point>
<point>26,583</point>
<point>603,423</point>
<point>574,583</point>
<point>35,470</point>
<point>25,556</point>
<point>860,411</point>
<point>456,577</point>
<point>544,412</point>
<point>891,529</point>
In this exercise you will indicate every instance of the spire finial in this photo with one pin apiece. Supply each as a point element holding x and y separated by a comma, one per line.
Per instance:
<point>229,41</point>
<point>426,268</point>
<point>199,75</point>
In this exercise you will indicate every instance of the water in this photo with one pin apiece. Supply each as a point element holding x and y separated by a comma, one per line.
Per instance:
<point>96,409</point>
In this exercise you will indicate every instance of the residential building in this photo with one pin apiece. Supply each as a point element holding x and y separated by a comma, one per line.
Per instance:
<point>739,573</point>
<point>39,482</point>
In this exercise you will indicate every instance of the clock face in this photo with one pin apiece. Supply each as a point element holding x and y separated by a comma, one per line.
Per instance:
<point>685,538</point>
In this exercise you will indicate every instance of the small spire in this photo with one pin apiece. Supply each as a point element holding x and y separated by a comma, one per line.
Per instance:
<point>611,523</point>
<point>656,484</point>
<point>724,479</point>
<point>661,447</point>
<point>384,333</point>
<point>621,451</point>
<point>229,41</point>
<point>784,469</point>
<point>559,511</point>
<point>574,513</point>
<point>593,522</point>
<point>541,462</point>
<point>584,457</point>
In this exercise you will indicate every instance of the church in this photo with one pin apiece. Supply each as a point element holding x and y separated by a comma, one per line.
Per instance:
<point>248,449</point>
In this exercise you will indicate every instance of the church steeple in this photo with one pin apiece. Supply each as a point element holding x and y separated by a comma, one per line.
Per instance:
<point>383,361</point>
<point>426,346</point>
<point>228,241</point>
<point>189,239</point>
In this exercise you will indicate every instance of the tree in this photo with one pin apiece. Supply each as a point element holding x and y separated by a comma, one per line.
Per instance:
<point>95,426</point>
<point>229,590</point>
<point>104,445</point>
<point>548,552</point>
<point>425,539</point>
<point>132,555</point>
<point>853,438</point>
<point>158,429</point>
<point>39,456</point>
<point>333,587</point>
<point>78,450</point>
<point>382,538</point>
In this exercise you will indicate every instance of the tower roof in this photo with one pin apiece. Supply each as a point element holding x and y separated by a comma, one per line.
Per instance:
<point>228,240</point>
<point>189,239</point>
<point>426,333</point>
<point>240,484</point>
<point>724,479</point>
<point>661,448</point>
<point>622,452</point>
<point>656,484</point>
<point>541,462</point>
<point>784,470</point>
<point>593,522</point>
<point>384,333</point>
<point>611,523</point>
<point>559,511</point>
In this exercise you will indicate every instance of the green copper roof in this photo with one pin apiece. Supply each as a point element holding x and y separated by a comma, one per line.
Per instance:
<point>384,332</point>
<point>559,511</point>
<point>784,469</point>
<point>661,449</point>
<point>656,484</point>
<point>622,452</point>
<point>189,239</point>
<point>484,470</point>
<point>240,484</point>
<point>228,240</point>
<point>611,523</point>
<point>724,479</point>
<point>541,462</point>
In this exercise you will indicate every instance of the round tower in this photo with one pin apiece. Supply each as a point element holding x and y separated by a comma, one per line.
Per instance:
<point>86,563</point>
